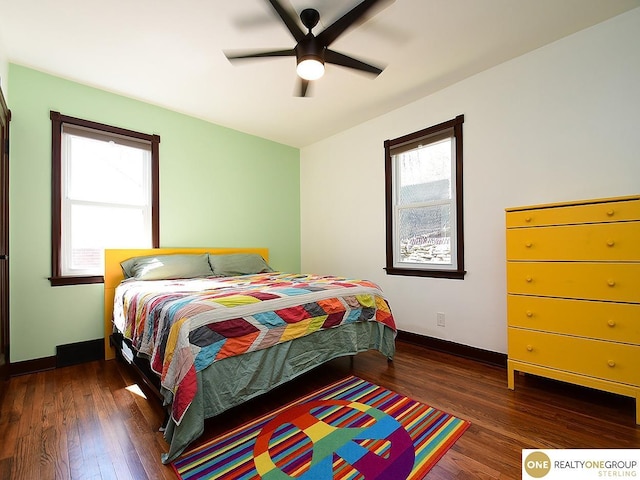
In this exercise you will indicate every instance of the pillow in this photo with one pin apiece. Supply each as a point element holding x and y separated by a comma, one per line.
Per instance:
<point>238,264</point>
<point>165,267</point>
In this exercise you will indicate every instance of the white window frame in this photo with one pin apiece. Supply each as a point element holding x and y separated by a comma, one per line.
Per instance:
<point>69,131</point>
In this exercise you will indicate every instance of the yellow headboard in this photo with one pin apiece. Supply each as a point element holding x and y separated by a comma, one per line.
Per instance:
<point>113,275</point>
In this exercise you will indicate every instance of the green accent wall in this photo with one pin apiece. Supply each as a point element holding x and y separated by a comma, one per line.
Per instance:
<point>218,187</point>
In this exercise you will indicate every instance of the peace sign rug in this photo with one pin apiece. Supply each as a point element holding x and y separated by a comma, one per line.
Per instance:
<point>351,429</point>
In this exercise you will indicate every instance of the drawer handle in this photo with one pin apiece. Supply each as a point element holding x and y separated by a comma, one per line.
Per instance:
<point>527,219</point>
<point>611,323</point>
<point>611,282</point>
<point>528,244</point>
<point>529,313</point>
<point>611,363</point>
<point>610,243</point>
<point>529,348</point>
<point>610,212</point>
<point>529,279</point>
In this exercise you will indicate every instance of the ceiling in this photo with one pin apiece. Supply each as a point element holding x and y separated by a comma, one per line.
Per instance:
<point>170,53</point>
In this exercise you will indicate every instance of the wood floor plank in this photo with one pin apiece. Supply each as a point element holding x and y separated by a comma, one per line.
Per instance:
<point>25,464</point>
<point>457,465</point>
<point>80,422</point>
<point>49,454</point>
<point>107,415</point>
<point>6,465</point>
<point>26,410</point>
<point>74,452</point>
<point>6,407</point>
<point>85,435</point>
<point>9,439</point>
<point>60,416</point>
<point>129,456</point>
<point>20,389</point>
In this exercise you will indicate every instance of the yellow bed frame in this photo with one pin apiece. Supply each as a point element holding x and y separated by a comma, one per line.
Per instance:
<point>113,276</point>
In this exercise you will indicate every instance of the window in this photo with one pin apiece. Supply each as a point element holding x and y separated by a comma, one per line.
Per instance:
<point>423,172</point>
<point>105,195</point>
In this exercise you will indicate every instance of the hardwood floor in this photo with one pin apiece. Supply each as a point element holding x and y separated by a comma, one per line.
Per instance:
<point>80,422</point>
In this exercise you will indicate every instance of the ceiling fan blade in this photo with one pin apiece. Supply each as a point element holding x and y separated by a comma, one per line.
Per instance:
<point>350,62</point>
<point>246,55</point>
<point>333,31</point>
<point>304,86</point>
<point>289,21</point>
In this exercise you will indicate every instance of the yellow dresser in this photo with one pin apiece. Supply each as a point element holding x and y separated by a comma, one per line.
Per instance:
<point>573,293</point>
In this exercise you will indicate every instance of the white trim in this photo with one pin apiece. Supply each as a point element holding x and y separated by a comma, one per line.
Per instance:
<point>67,203</point>
<point>451,202</point>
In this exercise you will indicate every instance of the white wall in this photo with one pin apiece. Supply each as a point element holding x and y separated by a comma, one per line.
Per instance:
<point>560,123</point>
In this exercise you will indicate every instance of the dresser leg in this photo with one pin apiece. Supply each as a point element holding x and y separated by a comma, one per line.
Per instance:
<point>511,376</point>
<point>637,407</point>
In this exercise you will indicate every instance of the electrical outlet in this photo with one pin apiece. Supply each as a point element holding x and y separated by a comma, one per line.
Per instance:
<point>440,319</point>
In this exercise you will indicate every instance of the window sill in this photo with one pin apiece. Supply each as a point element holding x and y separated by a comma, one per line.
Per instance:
<point>79,280</point>
<point>414,272</point>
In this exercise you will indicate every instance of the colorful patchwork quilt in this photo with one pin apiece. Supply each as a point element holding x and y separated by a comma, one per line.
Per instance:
<point>185,325</point>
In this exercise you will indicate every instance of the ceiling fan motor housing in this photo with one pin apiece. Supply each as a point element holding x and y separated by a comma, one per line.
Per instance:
<point>310,49</point>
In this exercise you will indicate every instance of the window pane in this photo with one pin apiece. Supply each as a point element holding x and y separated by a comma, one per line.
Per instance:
<point>94,228</point>
<point>424,234</point>
<point>97,167</point>
<point>424,174</point>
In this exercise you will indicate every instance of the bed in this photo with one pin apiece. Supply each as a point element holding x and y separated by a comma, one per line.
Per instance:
<point>209,339</point>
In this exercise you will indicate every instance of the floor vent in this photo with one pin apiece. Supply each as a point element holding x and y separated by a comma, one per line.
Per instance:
<point>81,352</point>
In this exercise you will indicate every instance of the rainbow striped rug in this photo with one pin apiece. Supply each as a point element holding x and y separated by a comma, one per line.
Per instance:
<point>351,429</point>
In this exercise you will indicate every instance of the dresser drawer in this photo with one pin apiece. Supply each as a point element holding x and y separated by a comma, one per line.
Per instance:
<point>619,322</point>
<point>607,211</point>
<point>595,358</point>
<point>591,242</point>
<point>619,282</point>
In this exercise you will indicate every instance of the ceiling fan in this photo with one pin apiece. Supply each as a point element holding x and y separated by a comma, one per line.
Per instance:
<point>312,51</point>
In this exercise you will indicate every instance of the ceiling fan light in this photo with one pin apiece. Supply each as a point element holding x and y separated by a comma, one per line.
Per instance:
<point>310,69</point>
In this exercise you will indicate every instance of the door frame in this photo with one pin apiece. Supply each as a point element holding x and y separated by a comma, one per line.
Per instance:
<point>5,359</point>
